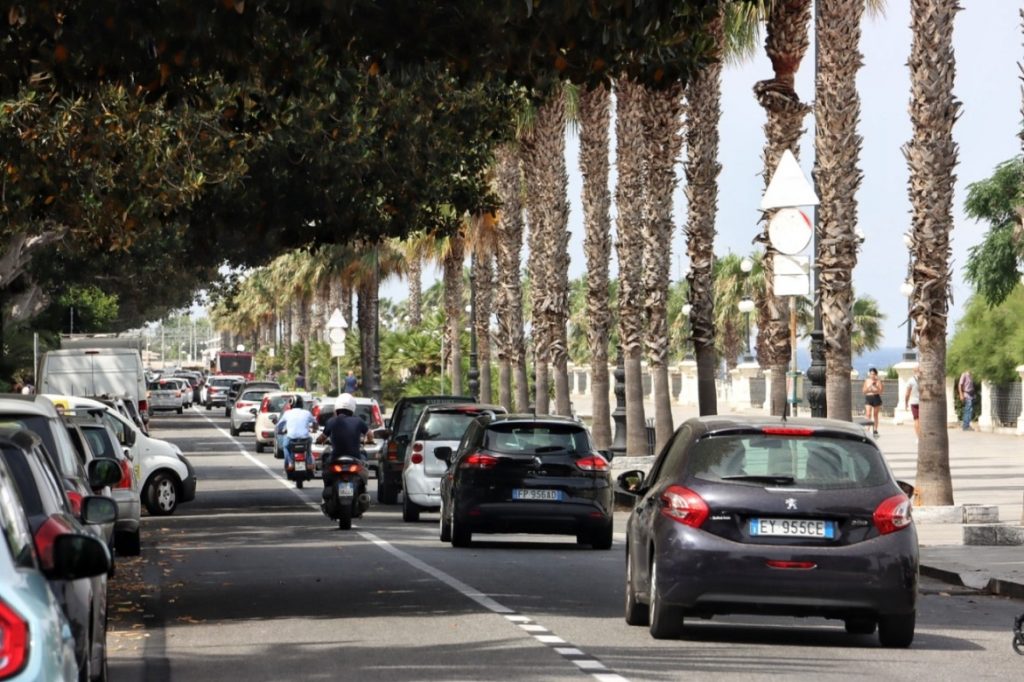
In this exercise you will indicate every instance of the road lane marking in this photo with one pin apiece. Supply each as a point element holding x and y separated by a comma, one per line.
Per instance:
<point>541,634</point>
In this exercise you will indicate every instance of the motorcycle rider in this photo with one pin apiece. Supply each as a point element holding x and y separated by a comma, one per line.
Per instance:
<point>347,433</point>
<point>294,423</point>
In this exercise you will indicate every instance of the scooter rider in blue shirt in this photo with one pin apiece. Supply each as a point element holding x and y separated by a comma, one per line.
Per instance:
<point>294,423</point>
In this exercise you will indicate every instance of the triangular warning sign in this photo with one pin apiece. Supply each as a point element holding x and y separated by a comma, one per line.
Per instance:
<point>789,186</point>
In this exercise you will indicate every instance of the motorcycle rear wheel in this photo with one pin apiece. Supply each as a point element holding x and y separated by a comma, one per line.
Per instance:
<point>345,517</point>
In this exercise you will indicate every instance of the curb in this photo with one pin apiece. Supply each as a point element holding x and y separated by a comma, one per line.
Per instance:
<point>996,586</point>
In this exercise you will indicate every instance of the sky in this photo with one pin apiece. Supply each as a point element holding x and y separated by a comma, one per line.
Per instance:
<point>988,44</point>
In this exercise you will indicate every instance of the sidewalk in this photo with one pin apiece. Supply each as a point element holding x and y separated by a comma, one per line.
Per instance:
<point>987,469</point>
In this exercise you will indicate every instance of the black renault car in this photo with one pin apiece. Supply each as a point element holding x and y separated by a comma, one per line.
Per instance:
<point>762,516</point>
<point>526,474</point>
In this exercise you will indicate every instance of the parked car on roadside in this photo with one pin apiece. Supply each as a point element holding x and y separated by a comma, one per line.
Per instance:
<point>58,533</point>
<point>368,410</point>
<point>400,426</point>
<point>526,474</point>
<point>37,640</point>
<point>756,515</point>
<point>440,426</point>
<point>249,398</point>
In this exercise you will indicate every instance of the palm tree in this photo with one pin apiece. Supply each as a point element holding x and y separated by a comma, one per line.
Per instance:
<point>931,156</point>
<point>593,114</point>
<point>453,256</point>
<point>508,180</point>
<point>629,201</point>
<point>866,333</point>
<point>482,238</point>
<point>786,42</point>
<point>663,139</point>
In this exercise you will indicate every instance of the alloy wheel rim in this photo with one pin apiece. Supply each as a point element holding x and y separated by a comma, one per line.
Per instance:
<point>165,495</point>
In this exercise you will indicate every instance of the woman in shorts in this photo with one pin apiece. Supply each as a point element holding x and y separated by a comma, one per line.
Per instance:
<point>873,397</point>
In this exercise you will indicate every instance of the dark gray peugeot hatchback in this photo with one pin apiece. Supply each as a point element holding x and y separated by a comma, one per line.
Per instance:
<point>761,516</point>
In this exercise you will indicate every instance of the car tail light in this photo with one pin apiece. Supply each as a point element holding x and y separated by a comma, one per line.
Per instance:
<point>75,499</point>
<point>797,565</point>
<point>265,405</point>
<point>44,538</point>
<point>592,463</point>
<point>417,453</point>
<point>787,431</point>
<point>684,506</point>
<point>479,460</point>
<point>126,474</point>
<point>240,405</point>
<point>893,514</point>
<point>392,452</point>
<point>375,415</point>
<point>14,641</point>
<point>144,405</point>
<point>177,394</point>
<point>266,434</point>
<point>212,390</point>
<point>316,411</point>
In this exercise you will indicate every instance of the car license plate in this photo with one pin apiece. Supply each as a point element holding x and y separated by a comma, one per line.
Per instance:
<point>793,528</point>
<point>537,494</point>
<point>300,465</point>
<point>345,489</point>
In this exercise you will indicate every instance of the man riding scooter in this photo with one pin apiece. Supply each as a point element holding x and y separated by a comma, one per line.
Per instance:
<point>294,425</point>
<point>345,469</point>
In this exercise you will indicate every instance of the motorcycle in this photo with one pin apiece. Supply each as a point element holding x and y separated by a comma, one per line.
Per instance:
<point>302,467</point>
<point>344,496</point>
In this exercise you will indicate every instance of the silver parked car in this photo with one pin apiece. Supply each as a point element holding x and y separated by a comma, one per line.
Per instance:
<point>757,515</point>
<point>103,442</point>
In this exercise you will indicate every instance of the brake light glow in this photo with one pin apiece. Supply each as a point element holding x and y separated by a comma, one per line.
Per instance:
<point>798,565</point>
<point>76,502</point>
<point>392,452</point>
<point>592,463</point>
<point>126,475</point>
<point>340,468</point>
<point>479,460</point>
<point>144,405</point>
<point>241,404</point>
<point>684,506</point>
<point>14,641</point>
<point>893,514</point>
<point>375,415</point>
<point>265,405</point>
<point>787,431</point>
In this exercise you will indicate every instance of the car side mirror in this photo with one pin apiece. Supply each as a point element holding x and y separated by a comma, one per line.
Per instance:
<point>907,489</point>
<point>443,452</point>
<point>252,411</point>
<point>102,472</point>
<point>99,510</point>
<point>607,454</point>
<point>629,482</point>
<point>128,454</point>
<point>129,437</point>
<point>76,555</point>
<point>274,418</point>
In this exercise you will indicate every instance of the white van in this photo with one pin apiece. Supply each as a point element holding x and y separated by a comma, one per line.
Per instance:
<point>166,476</point>
<point>115,372</point>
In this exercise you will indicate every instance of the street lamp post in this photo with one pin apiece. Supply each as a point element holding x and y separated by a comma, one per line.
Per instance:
<point>746,307</point>
<point>619,413</point>
<point>907,289</point>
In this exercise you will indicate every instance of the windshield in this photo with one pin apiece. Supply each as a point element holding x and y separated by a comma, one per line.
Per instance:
<point>445,425</point>
<point>825,463</point>
<point>235,364</point>
<point>535,439</point>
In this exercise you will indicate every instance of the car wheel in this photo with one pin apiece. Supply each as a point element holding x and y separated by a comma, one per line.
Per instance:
<point>387,492</point>
<point>180,410</point>
<point>259,447</point>
<point>896,631</point>
<point>161,495</point>
<point>233,430</point>
<point>636,613</point>
<point>207,407</point>
<point>227,413</point>
<point>128,544</point>
<point>278,453</point>
<point>666,620</point>
<point>298,483</point>
<point>602,538</point>
<point>860,626</point>
<point>410,511</point>
<point>461,535</point>
<point>445,526</point>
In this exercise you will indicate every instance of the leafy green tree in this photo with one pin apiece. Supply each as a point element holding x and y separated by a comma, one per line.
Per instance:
<point>989,339</point>
<point>993,265</point>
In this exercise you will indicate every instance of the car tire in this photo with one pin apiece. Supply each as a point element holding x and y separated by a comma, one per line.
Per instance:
<point>666,620</point>
<point>410,510</point>
<point>444,526</point>
<point>180,410</point>
<point>298,483</point>
<point>161,496</point>
<point>896,631</point>
<point>227,412</point>
<point>860,626</point>
<point>387,492</point>
<point>636,613</point>
<point>207,407</point>
<point>127,543</point>
<point>461,535</point>
<point>233,430</point>
<point>278,453</point>
<point>602,538</point>
<point>259,448</point>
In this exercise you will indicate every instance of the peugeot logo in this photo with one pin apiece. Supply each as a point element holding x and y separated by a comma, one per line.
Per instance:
<point>790,503</point>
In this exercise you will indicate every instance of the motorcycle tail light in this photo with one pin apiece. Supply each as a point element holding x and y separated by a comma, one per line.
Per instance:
<point>340,468</point>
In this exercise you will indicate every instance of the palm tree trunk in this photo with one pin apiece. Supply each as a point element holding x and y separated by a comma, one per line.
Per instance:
<point>629,198</point>
<point>453,262</point>
<point>415,271</point>
<point>511,346</point>
<point>837,149</point>
<point>305,305</point>
<point>702,169</point>
<point>346,303</point>
<point>484,277</point>
<point>664,142</point>
<point>535,154</point>
<point>594,110</point>
<point>364,322</point>
<point>786,43</point>
<point>931,156</point>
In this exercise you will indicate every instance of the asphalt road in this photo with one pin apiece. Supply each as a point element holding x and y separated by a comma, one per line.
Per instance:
<point>251,582</point>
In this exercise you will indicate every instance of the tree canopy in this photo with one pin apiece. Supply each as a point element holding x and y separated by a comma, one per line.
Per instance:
<point>992,266</point>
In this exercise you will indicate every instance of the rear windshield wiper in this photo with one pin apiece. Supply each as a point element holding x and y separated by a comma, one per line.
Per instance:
<point>777,479</point>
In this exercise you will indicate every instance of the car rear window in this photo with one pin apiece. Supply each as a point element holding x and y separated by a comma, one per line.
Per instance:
<point>537,439</point>
<point>220,382</point>
<point>277,403</point>
<point>254,396</point>
<point>821,462</point>
<point>445,425</point>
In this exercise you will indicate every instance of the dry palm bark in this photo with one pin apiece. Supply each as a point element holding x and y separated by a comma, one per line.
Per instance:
<point>931,156</point>
<point>786,44</point>
<point>511,345</point>
<point>415,273</point>
<point>594,116</point>
<point>703,113</point>
<point>629,200</point>
<point>534,153</point>
<point>452,261</point>
<point>662,115</point>
<point>837,150</point>
<point>483,274</point>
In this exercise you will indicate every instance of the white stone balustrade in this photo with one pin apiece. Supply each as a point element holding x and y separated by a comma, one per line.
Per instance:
<point>905,370</point>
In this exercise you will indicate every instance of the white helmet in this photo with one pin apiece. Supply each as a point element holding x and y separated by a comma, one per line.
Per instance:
<point>345,402</point>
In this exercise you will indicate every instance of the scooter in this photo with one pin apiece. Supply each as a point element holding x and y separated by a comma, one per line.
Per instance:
<point>345,496</point>
<point>302,467</point>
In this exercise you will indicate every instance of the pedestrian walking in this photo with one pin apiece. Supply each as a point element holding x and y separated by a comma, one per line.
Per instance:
<point>351,382</point>
<point>966,389</point>
<point>912,401</point>
<point>300,380</point>
<point>872,390</point>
